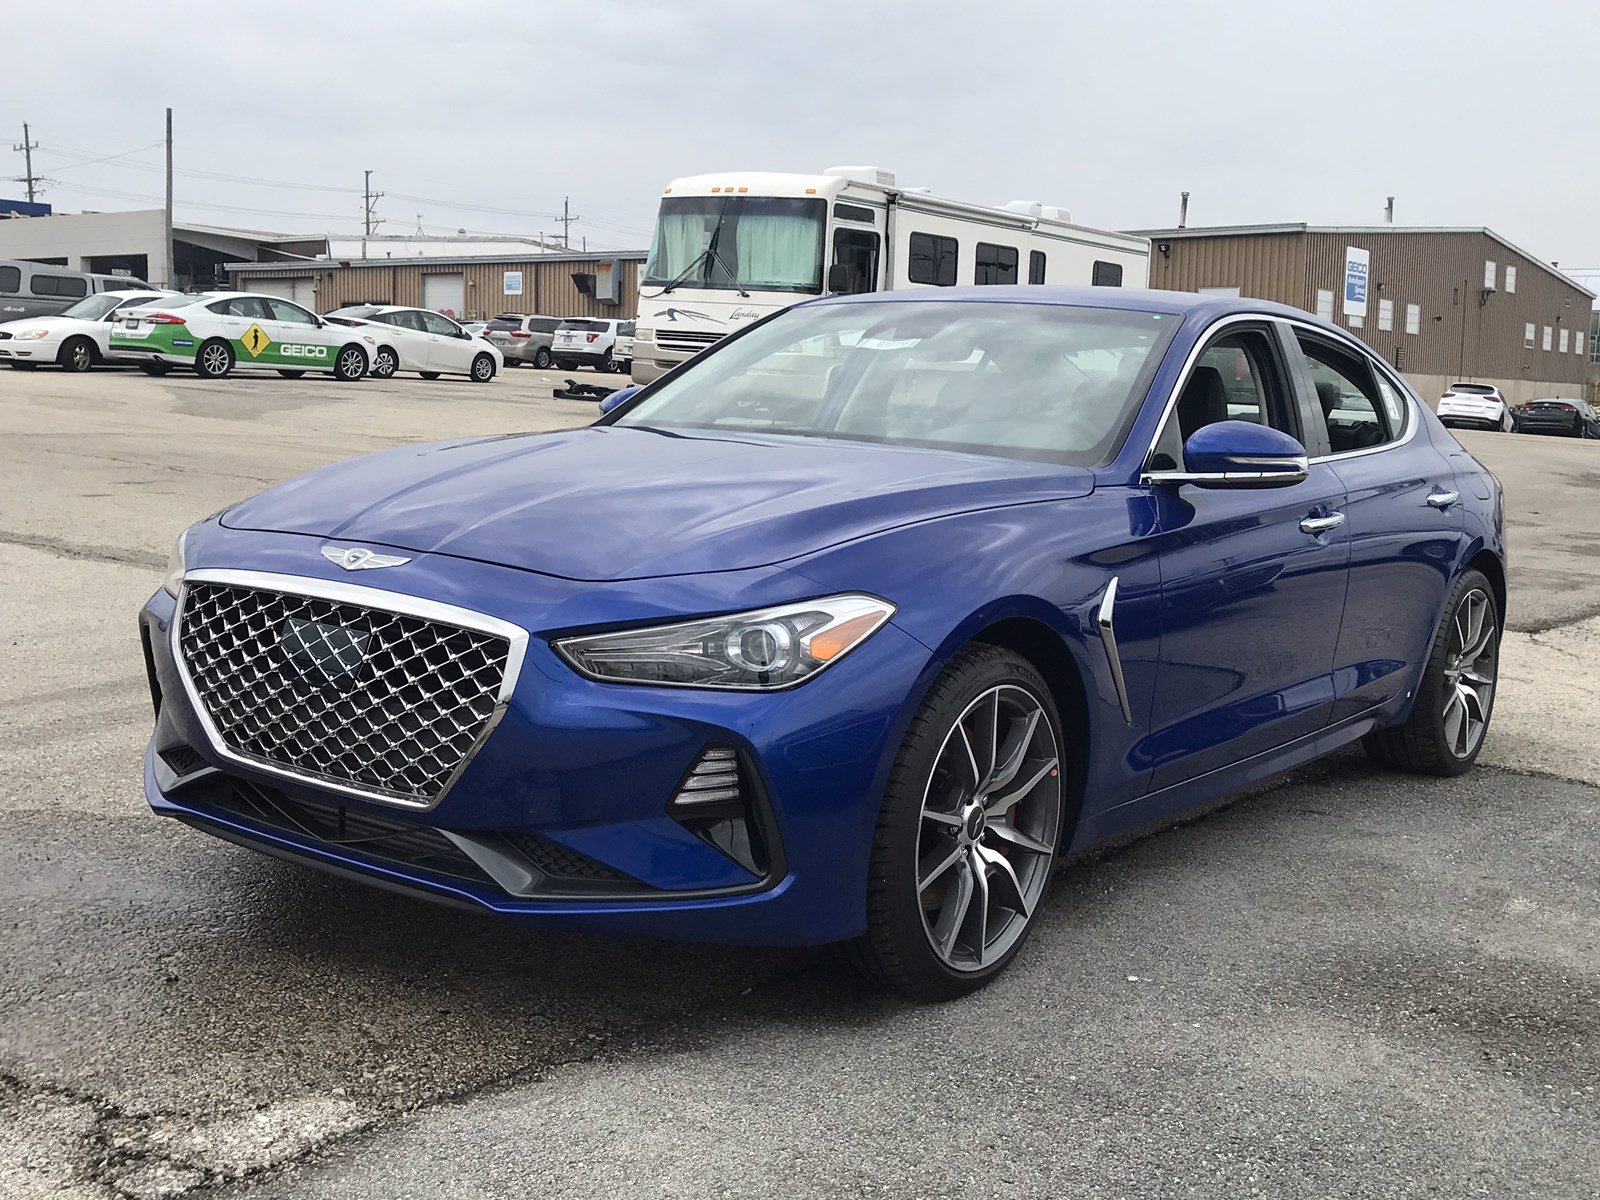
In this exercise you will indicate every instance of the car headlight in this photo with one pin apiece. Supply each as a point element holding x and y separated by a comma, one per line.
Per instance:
<point>32,335</point>
<point>762,650</point>
<point>174,578</point>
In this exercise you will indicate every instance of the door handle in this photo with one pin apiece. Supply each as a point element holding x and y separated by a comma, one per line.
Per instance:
<point>1316,525</point>
<point>1443,499</point>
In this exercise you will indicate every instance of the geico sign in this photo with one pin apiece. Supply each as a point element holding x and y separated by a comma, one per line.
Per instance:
<point>304,351</point>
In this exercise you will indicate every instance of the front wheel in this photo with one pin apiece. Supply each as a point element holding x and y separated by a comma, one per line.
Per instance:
<point>77,355</point>
<point>482,369</point>
<point>968,832</point>
<point>1447,724</point>
<point>215,360</point>
<point>386,363</point>
<point>351,364</point>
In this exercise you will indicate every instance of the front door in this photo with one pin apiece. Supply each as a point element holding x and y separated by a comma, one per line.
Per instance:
<point>448,350</point>
<point>1252,580</point>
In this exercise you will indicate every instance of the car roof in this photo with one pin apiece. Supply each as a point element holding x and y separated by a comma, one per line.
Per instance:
<point>1120,299</point>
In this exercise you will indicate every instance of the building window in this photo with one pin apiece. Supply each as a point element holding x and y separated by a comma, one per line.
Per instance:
<point>1547,337</point>
<point>1355,321</point>
<point>933,260</point>
<point>1035,266</point>
<point>1109,275</point>
<point>1386,315</point>
<point>1527,336</point>
<point>1413,318</point>
<point>1563,341</point>
<point>1488,272</point>
<point>994,264</point>
<point>1511,279</point>
<point>1325,304</point>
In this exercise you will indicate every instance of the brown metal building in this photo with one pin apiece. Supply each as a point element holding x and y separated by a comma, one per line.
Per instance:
<point>1442,304</point>
<point>467,288</point>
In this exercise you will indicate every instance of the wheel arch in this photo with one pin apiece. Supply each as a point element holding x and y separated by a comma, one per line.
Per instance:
<point>1494,570</point>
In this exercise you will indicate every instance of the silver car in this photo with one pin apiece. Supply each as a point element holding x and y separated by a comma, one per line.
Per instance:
<point>523,338</point>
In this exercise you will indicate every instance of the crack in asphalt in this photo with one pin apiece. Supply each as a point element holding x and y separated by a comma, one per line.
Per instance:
<point>65,549</point>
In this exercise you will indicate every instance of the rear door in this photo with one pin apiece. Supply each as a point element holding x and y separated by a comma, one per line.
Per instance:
<point>244,323</point>
<point>409,339</point>
<point>1252,580</point>
<point>1403,516</point>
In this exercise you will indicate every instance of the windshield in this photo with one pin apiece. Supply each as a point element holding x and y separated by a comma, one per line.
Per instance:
<point>769,243</point>
<point>1052,382</point>
<point>93,308</point>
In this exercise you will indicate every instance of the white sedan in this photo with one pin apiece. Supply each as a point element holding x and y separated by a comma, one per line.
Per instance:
<point>421,340</point>
<point>76,338</point>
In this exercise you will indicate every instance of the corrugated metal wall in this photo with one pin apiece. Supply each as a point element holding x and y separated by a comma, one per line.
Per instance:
<point>1442,273</point>
<point>547,287</point>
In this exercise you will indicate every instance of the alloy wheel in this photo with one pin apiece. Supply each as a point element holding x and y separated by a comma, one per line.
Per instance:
<point>215,360</point>
<point>991,815</point>
<point>1469,675</point>
<point>386,365</point>
<point>82,358</point>
<point>350,364</point>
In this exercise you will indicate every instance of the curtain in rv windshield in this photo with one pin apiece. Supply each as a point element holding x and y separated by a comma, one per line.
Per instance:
<point>768,241</point>
<point>779,249</point>
<point>682,232</point>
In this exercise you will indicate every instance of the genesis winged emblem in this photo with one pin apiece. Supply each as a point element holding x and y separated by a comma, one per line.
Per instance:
<point>359,558</point>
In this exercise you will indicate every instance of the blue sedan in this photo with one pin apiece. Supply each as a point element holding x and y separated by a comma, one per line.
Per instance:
<point>849,630</point>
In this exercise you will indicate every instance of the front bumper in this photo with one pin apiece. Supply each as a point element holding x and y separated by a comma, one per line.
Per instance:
<point>36,350</point>
<point>579,768</point>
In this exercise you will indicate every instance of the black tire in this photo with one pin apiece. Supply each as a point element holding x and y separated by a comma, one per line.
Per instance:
<point>607,365</point>
<point>155,368</point>
<point>483,368</point>
<point>429,374</point>
<point>512,363</point>
<point>566,364</point>
<point>897,952</point>
<point>291,374</point>
<point>350,364</point>
<point>541,359</point>
<point>1423,744</point>
<point>77,354</point>
<point>214,359</point>
<point>385,363</point>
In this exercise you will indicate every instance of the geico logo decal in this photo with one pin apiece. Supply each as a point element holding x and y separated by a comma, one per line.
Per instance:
<point>303,351</point>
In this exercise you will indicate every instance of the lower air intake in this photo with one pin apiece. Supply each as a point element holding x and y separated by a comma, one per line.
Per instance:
<point>717,802</point>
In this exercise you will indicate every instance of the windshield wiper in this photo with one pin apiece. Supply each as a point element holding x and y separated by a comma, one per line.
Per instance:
<point>684,274</point>
<point>711,252</point>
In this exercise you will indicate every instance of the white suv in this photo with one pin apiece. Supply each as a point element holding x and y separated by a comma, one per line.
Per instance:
<point>587,342</point>
<point>1475,405</point>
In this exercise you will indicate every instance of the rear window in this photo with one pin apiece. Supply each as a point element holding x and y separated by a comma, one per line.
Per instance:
<point>585,326</point>
<point>544,324</point>
<point>74,286</point>
<point>1475,389</point>
<point>1561,404</point>
<point>505,323</point>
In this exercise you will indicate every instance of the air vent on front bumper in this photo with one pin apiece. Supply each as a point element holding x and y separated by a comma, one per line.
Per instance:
<point>718,802</point>
<point>682,340</point>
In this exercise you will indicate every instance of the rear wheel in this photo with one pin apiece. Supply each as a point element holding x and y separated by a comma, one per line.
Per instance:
<point>291,374</point>
<point>78,354</point>
<point>541,359</point>
<point>386,363</point>
<point>351,364</point>
<point>482,368</point>
<point>155,368</point>
<point>608,365</point>
<point>1447,725</point>
<point>429,374</point>
<point>967,835</point>
<point>215,359</point>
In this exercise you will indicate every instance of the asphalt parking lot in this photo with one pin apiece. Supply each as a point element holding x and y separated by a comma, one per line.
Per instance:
<point>1345,983</point>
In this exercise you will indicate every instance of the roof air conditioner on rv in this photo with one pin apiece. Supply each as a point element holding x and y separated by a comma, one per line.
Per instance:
<point>1040,212</point>
<point>872,176</point>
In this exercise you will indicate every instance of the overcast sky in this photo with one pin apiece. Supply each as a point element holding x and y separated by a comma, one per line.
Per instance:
<point>1470,114</point>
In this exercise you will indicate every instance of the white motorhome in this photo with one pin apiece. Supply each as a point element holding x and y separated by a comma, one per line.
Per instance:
<point>730,248</point>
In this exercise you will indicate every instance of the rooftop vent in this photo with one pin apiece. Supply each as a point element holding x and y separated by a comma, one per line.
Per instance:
<point>872,176</point>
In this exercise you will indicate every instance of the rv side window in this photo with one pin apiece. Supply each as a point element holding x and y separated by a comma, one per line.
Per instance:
<point>1107,274</point>
<point>74,286</point>
<point>10,279</point>
<point>995,264</point>
<point>852,212</point>
<point>857,251</point>
<point>933,260</point>
<point>1035,266</point>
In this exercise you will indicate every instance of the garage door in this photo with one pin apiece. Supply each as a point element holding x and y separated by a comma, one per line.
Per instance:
<point>444,293</point>
<point>301,290</point>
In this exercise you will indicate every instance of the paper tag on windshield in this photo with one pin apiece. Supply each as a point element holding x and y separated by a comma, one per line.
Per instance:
<point>886,344</point>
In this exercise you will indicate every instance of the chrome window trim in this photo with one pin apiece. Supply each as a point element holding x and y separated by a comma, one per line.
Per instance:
<point>1335,335</point>
<point>368,597</point>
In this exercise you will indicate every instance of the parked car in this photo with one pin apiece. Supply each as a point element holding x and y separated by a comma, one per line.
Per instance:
<point>848,630</point>
<point>622,350</point>
<point>29,289</point>
<point>421,340</point>
<point>217,332</point>
<point>586,342</point>
<point>1475,406</point>
<point>76,338</point>
<point>523,338</point>
<point>1571,418</point>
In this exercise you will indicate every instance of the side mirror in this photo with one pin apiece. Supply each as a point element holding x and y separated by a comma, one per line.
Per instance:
<point>616,398</point>
<point>838,278</point>
<point>1238,454</point>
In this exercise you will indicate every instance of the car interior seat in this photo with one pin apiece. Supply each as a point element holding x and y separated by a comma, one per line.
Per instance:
<point>1204,401</point>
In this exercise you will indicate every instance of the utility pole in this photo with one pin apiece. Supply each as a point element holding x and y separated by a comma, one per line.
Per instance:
<point>369,200</point>
<point>566,218</point>
<point>171,257</point>
<point>28,147</point>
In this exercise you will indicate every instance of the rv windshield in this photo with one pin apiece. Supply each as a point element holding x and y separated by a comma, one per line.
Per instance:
<point>765,243</point>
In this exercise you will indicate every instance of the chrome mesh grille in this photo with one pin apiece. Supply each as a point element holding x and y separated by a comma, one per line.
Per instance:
<point>383,702</point>
<point>682,339</point>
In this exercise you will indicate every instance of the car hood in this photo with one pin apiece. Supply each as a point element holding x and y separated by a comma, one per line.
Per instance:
<point>53,323</point>
<point>611,503</point>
